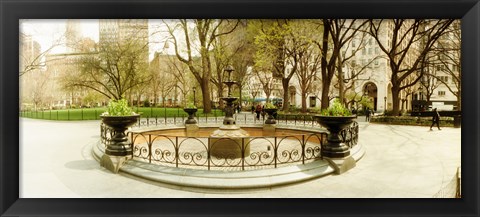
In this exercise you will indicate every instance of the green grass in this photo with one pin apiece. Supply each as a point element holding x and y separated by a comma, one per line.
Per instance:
<point>94,113</point>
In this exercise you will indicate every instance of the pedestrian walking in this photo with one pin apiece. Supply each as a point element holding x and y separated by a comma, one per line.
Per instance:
<point>258,110</point>
<point>263,113</point>
<point>435,119</point>
<point>367,114</point>
<point>253,109</point>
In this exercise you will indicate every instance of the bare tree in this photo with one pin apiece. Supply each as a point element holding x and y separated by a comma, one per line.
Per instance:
<point>447,53</point>
<point>182,80</point>
<point>267,82</point>
<point>410,41</point>
<point>163,79</point>
<point>115,69</point>
<point>31,56</point>
<point>308,66</point>
<point>336,34</point>
<point>275,50</point>
<point>205,32</point>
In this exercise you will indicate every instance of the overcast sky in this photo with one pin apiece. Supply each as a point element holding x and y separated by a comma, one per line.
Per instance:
<point>47,31</point>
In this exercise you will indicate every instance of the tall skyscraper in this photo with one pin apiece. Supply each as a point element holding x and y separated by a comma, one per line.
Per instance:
<point>29,51</point>
<point>72,35</point>
<point>119,30</point>
<point>122,31</point>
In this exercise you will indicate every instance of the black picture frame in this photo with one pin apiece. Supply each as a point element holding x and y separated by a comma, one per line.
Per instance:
<point>11,11</point>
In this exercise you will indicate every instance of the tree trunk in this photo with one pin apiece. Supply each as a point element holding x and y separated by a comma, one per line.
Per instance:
<point>286,100</point>
<point>341,85</point>
<point>220,95</point>
<point>207,105</point>
<point>459,100</point>
<point>304,102</point>
<point>240,102</point>
<point>325,99</point>
<point>395,101</point>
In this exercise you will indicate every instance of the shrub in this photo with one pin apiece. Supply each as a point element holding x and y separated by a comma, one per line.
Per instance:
<point>270,106</point>
<point>146,103</point>
<point>190,105</point>
<point>336,109</point>
<point>119,108</point>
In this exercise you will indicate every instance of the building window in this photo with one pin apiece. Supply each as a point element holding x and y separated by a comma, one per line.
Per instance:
<point>377,50</point>
<point>376,62</point>
<point>441,93</point>
<point>369,50</point>
<point>440,68</point>
<point>353,43</point>
<point>370,41</point>
<point>364,51</point>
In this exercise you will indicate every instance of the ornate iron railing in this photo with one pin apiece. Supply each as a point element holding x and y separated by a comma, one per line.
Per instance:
<point>241,118</point>
<point>256,152</point>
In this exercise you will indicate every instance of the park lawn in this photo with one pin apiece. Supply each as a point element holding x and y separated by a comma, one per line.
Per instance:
<point>94,113</point>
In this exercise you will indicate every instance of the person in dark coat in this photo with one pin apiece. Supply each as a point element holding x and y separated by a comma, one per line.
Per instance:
<point>258,110</point>
<point>435,119</point>
<point>367,114</point>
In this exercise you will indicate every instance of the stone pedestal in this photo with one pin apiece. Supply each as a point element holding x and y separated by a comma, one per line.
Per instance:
<point>113,163</point>
<point>342,165</point>
<point>191,130</point>
<point>269,129</point>
<point>226,142</point>
<point>335,148</point>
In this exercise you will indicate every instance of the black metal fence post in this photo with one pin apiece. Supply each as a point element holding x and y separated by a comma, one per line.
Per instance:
<point>176,151</point>
<point>275,149</point>
<point>303,149</point>
<point>150,144</point>
<point>208,153</point>
<point>243,153</point>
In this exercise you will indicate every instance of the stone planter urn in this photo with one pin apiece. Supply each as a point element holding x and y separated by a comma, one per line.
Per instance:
<point>270,118</point>
<point>335,148</point>
<point>119,144</point>
<point>191,115</point>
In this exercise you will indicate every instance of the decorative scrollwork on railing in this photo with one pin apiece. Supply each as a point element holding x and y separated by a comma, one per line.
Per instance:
<point>245,153</point>
<point>350,135</point>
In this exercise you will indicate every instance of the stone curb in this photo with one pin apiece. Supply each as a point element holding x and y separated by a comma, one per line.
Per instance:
<point>215,179</point>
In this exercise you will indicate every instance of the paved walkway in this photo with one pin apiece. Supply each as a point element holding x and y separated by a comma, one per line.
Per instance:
<point>400,162</point>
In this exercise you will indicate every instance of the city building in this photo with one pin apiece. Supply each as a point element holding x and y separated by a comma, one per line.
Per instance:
<point>367,73</point>
<point>168,81</point>
<point>30,70</point>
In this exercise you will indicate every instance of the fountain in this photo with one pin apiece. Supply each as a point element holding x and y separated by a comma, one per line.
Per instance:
<point>226,142</point>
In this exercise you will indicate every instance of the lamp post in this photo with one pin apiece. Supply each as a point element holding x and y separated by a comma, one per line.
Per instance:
<point>194,101</point>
